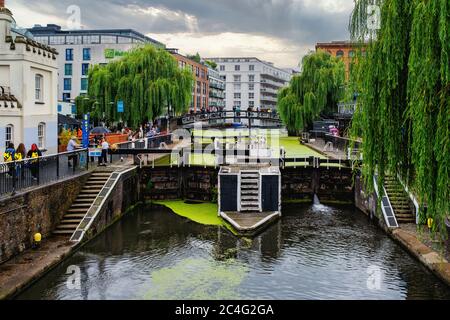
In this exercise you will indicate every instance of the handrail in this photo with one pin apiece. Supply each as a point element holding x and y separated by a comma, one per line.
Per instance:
<point>383,209</point>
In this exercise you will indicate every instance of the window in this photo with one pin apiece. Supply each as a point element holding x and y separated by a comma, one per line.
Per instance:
<point>59,108</point>
<point>251,78</point>
<point>237,87</point>
<point>351,53</point>
<point>66,97</point>
<point>39,82</point>
<point>199,87</point>
<point>237,78</point>
<point>237,68</point>
<point>237,95</point>
<point>237,104</point>
<point>84,84</point>
<point>251,67</point>
<point>340,53</point>
<point>67,84</point>
<point>251,95</point>
<point>9,134</point>
<point>68,69</point>
<point>251,104</point>
<point>41,135</point>
<point>251,87</point>
<point>85,69</point>
<point>69,54</point>
<point>87,54</point>
<point>74,109</point>
<point>222,68</point>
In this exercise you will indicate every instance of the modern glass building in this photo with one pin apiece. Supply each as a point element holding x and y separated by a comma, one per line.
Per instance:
<point>79,49</point>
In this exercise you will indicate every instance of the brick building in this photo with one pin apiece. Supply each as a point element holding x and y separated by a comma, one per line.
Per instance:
<point>346,50</point>
<point>200,92</point>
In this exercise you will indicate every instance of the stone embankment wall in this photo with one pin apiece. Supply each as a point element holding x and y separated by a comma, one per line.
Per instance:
<point>39,210</point>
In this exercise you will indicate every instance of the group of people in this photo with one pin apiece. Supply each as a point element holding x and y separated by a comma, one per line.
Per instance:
<point>14,158</point>
<point>146,131</point>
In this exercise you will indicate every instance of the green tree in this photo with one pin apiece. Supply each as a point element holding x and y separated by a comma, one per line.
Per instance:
<point>317,89</point>
<point>404,108</point>
<point>196,57</point>
<point>146,79</point>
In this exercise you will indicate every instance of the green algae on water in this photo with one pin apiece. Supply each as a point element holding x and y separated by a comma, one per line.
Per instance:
<point>197,279</point>
<point>204,213</point>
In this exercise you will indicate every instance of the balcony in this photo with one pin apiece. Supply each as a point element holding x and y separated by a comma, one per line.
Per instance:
<point>269,91</point>
<point>216,85</point>
<point>346,108</point>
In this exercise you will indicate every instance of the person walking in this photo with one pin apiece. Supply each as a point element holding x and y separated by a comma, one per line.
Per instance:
<point>103,160</point>
<point>8,157</point>
<point>72,146</point>
<point>34,154</point>
<point>20,155</point>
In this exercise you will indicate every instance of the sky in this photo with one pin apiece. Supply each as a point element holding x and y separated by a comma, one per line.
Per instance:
<point>279,31</point>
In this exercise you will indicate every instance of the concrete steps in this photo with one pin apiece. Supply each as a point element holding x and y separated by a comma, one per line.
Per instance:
<point>250,191</point>
<point>81,205</point>
<point>400,202</point>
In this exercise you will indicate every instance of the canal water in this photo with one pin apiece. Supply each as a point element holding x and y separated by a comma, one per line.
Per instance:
<point>313,252</point>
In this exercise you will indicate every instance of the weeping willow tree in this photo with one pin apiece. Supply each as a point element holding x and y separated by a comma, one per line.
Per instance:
<point>317,89</point>
<point>404,107</point>
<point>146,79</point>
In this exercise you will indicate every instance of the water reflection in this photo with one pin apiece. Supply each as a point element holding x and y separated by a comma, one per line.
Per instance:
<point>313,252</point>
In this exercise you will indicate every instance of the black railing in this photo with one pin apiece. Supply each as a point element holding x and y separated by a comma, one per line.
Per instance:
<point>19,175</point>
<point>145,143</point>
<point>235,115</point>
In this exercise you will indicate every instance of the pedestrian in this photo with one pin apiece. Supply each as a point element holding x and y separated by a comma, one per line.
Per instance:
<point>8,157</point>
<point>20,155</point>
<point>103,160</point>
<point>34,153</point>
<point>72,146</point>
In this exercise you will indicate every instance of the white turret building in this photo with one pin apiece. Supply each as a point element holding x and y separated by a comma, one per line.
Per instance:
<point>28,88</point>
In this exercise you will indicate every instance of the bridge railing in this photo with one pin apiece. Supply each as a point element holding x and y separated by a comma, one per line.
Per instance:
<point>235,115</point>
<point>20,175</point>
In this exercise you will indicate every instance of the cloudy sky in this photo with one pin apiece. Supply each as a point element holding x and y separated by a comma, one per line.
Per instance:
<point>280,31</point>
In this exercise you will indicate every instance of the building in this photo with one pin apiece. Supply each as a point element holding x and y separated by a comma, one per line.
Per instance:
<point>346,50</point>
<point>216,90</point>
<point>28,84</point>
<point>200,93</point>
<point>251,82</point>
<point>79,49</point>
<point>67,108</point>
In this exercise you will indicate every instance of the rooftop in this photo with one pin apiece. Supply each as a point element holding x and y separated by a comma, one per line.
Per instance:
<point>55,30</point>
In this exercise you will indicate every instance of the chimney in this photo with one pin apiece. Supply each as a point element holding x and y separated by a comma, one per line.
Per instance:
<point>2,3</point>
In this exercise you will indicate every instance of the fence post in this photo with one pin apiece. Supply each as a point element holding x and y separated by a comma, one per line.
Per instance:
<point>38,171</point>
<point>13,169</point>
<point>57,167</point>
<point>87,159</point>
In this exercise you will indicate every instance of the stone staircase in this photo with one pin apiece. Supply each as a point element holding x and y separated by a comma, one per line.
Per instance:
<point>81,205</point>
<point>400,201</point>
<point>250,191</point>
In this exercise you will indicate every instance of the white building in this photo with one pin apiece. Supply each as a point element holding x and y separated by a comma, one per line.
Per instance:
<point>251,82</point>
<point>28,81</point>
<point>79,49</point>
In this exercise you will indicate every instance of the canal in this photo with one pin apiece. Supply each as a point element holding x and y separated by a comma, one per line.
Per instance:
<point>313,252</point>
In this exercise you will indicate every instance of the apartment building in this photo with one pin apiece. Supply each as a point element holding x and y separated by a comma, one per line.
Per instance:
<point>251,82</point>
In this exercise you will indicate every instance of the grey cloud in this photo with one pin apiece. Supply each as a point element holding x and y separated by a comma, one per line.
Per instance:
<point>287,19</point>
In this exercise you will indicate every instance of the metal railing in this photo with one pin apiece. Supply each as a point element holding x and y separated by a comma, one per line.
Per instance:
<point>19,175</point>
<point>224,115</point>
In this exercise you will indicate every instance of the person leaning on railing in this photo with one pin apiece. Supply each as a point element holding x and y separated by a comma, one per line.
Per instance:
<point>72,146</point>
<point>34,154</point>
